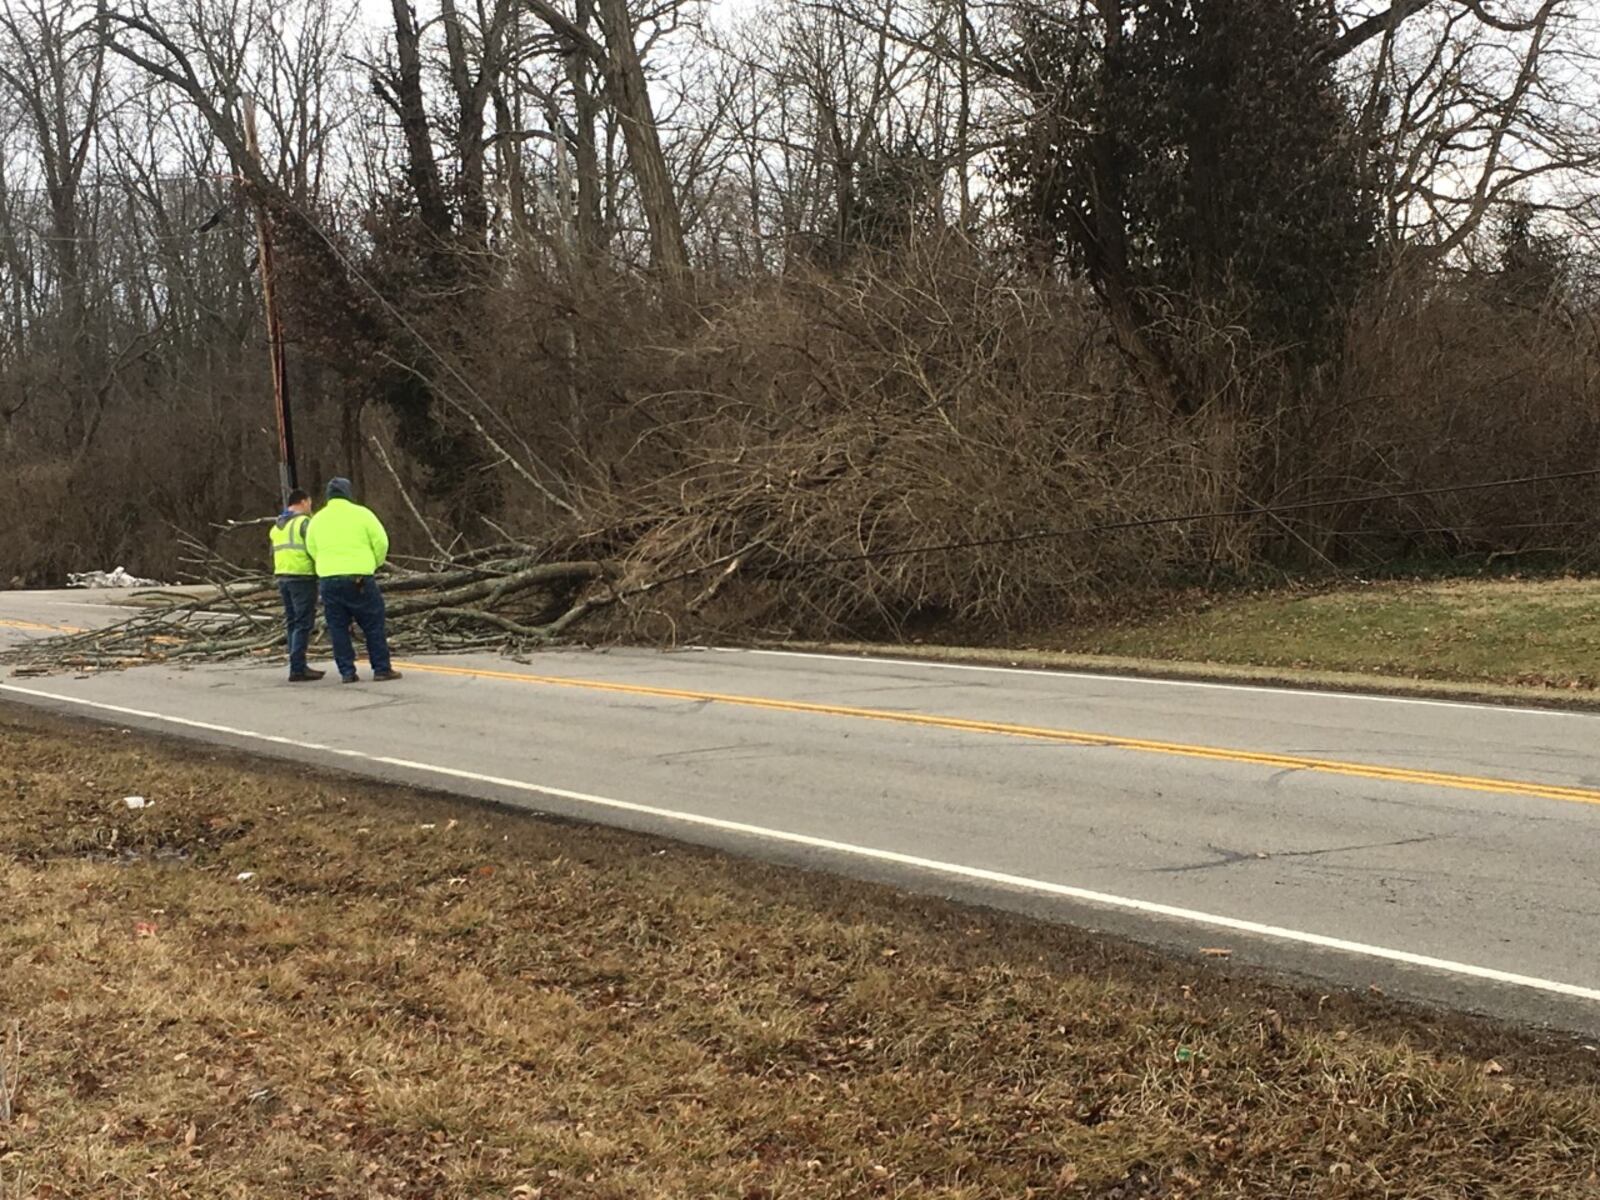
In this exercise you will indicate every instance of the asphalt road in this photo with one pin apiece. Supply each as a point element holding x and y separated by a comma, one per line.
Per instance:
<point>1443,852</point>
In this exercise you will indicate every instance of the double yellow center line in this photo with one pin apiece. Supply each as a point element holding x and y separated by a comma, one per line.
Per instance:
<point>1273,761</point>
<point>17,623</point>
<point>1281,762</point>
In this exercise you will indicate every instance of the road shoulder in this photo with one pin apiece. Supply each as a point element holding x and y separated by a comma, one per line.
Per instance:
<point>1359,683</point>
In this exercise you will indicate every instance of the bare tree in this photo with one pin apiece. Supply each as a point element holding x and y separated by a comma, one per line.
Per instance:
<point>616,54</point>
<point>477,59</point>
<point>477,49</point>
<point>302,100</point>
<point>1470,110</point>
<point>403,92</point>
<point>53,63</point>
<point>838,117</point>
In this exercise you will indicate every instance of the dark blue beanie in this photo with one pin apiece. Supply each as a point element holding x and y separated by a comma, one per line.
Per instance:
<point>339,488</point>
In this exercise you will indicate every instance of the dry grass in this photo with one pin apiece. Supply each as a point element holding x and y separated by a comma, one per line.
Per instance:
<point>1526,633</point>
<point>414,997</point>
<point>1515,641</point>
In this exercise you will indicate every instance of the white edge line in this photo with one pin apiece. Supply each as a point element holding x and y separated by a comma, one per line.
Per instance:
<point>868,853</point>
<point>1156,680</point>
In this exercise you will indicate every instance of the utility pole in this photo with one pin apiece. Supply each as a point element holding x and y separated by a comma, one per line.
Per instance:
<point>287,474</point>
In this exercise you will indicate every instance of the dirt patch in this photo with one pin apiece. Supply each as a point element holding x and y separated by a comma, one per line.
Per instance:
<point>266,983</point>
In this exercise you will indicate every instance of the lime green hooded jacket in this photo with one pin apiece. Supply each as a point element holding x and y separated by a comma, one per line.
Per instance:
<point>346,538</point>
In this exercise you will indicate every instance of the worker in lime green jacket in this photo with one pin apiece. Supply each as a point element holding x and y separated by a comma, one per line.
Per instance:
<point>348,544</point>
<point>297,582</point>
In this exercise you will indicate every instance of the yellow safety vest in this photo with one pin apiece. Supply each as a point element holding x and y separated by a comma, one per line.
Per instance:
<point>289,555</point>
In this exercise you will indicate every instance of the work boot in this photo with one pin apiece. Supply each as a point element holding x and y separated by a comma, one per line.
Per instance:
<point>385,676</point>
<point>309,675</point>
<point>349,679</point>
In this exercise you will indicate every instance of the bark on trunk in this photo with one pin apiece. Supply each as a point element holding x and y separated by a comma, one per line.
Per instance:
<point>422,169</point>
<point>630,94</point>
<point>585,150</point>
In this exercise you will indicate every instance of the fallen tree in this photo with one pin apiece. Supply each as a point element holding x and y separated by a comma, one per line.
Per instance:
<point>504,598</point>
<point>502,602</point>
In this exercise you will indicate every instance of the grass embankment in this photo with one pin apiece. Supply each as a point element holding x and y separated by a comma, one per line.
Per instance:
<point>1520,633</point>
<point>410,997</point>
<point>1501,639</point>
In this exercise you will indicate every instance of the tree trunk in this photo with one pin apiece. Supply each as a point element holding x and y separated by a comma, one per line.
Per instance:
<point>585,151</point>
<point>509,155</point>
<point>964,114</point>
<point>472,91</point>
<point>422,169</point>
<point>630,95</point>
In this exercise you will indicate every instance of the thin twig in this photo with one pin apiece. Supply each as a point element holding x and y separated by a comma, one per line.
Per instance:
<point>405,496</point>
<point>10,1071</point>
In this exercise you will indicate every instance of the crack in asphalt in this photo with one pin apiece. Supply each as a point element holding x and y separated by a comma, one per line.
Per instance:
<point>750,749</point>
<point>1230,858</point>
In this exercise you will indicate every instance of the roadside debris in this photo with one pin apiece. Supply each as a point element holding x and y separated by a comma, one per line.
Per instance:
<point>117,577</point>
<point>511,597</point>
<point>508,597</point>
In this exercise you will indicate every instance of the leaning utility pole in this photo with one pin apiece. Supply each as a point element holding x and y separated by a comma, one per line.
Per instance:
<point>287,475</point>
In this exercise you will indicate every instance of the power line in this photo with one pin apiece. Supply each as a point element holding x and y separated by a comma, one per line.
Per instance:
<point>1477,527</point>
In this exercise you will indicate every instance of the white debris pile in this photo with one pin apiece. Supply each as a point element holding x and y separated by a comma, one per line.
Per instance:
<point>116,578</point>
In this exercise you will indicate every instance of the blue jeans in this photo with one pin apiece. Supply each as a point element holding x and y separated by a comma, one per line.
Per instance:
<point>299,595</point>
<point>347,598</point>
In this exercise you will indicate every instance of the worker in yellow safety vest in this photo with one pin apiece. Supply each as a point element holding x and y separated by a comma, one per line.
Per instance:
<point>348,544</point>
<point>297,582</point>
